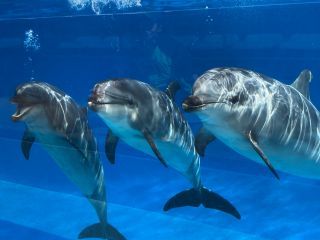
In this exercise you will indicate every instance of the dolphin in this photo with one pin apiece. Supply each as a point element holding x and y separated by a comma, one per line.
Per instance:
<point>54,120</point>
<point>260,118</point>
<point>148,120</point>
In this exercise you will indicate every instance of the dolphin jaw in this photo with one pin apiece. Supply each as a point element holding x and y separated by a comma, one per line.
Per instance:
<point>23,107</point>
<point>95,106</point>
<point>93,103</point>
<point>190,108</point>
<point>90,104</point>
<point>20,113</point>
<point>194,103</point>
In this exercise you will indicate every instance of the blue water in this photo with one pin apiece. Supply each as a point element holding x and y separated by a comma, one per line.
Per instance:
<point>156,42</point>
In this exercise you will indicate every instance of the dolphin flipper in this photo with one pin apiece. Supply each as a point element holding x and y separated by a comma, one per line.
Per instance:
<point>153,146</point>
<point>99,230</point>
<point>195,197</point>
<point>110,146</point>
<point>26,143</point>
<point>172,89</point>
<point>256,147</point>
<point>202,139</point>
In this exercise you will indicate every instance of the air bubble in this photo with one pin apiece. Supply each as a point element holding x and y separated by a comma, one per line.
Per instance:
<point>98,6</point>
<point>31,41</point>
<point>79,4</point>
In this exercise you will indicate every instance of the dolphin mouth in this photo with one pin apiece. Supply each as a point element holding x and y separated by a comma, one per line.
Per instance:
<point>92,103</point>
<point>192,108</point>
<point>22,108</point>
<point>193,103</point>
<point>115,100</point>
<point>20,113</point>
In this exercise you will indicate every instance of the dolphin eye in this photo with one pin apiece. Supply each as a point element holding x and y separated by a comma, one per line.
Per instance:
<point>234,99</point>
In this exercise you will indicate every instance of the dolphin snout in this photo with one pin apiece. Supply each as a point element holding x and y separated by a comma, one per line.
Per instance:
<point>92,99</point>
<point>192,103</point>
<point>95,95</point>
<point>15,99</point>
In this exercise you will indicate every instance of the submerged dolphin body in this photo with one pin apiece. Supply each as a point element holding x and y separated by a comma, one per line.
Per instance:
<point>149,121</point>
<point>260,118</point>
<point>53,119</point>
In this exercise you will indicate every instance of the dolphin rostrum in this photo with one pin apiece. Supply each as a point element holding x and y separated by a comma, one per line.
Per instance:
<point>260,118</point>
<point>54,120</point>
<point>149,121</point>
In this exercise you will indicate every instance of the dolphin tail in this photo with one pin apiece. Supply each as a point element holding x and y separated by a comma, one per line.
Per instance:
<point>195,197</point>
<point>103,231</point>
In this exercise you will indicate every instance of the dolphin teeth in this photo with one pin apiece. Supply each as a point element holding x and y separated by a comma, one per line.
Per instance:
<point>185,106</point>
<point>20,113</point>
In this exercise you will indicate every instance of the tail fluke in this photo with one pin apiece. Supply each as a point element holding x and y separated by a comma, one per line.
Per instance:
<point>99,230</point>
<point>195,197</point>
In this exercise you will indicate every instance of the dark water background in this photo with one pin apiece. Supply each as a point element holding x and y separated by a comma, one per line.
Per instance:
<point>155,43</point>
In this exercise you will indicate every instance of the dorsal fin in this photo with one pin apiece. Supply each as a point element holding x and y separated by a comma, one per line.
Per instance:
<point>302,83</point>
<point>172,89</point>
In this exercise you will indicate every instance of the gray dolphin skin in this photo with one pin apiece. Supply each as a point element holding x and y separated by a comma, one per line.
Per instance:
<point>260,118</point>
<point>149,121</point>
<point>54,120</point>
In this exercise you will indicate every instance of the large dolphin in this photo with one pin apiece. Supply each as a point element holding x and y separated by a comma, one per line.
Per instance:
<point>53,119</point>
<point>149,121</point>
<point>260,118</point>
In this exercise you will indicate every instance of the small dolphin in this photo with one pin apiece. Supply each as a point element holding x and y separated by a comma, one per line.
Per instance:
<point>149,121</point>
<point>53,119</point>
<point>260,118</point>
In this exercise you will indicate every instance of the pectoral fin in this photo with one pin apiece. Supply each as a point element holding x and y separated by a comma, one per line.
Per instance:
<point>26,143</point>
<point>153,146</point>
<point>256,147</point>
<point>110,146</point>
<point>202,139</point>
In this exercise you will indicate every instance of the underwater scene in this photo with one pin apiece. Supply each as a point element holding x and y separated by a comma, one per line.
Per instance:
<point>164,120</point>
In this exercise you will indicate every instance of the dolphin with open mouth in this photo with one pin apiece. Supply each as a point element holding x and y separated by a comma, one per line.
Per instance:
<point>148,120</point>
<point>54,120</point>
<point>259,117</point>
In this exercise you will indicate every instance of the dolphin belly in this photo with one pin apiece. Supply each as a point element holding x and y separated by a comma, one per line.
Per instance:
<point>293,162</point>
<point>129,135</point>
<point>70,160</point>
<point>282,155</point>
<point>177,157</point>
<point>134,138</point>
<point>174,156</point>
<point>234,140</point>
